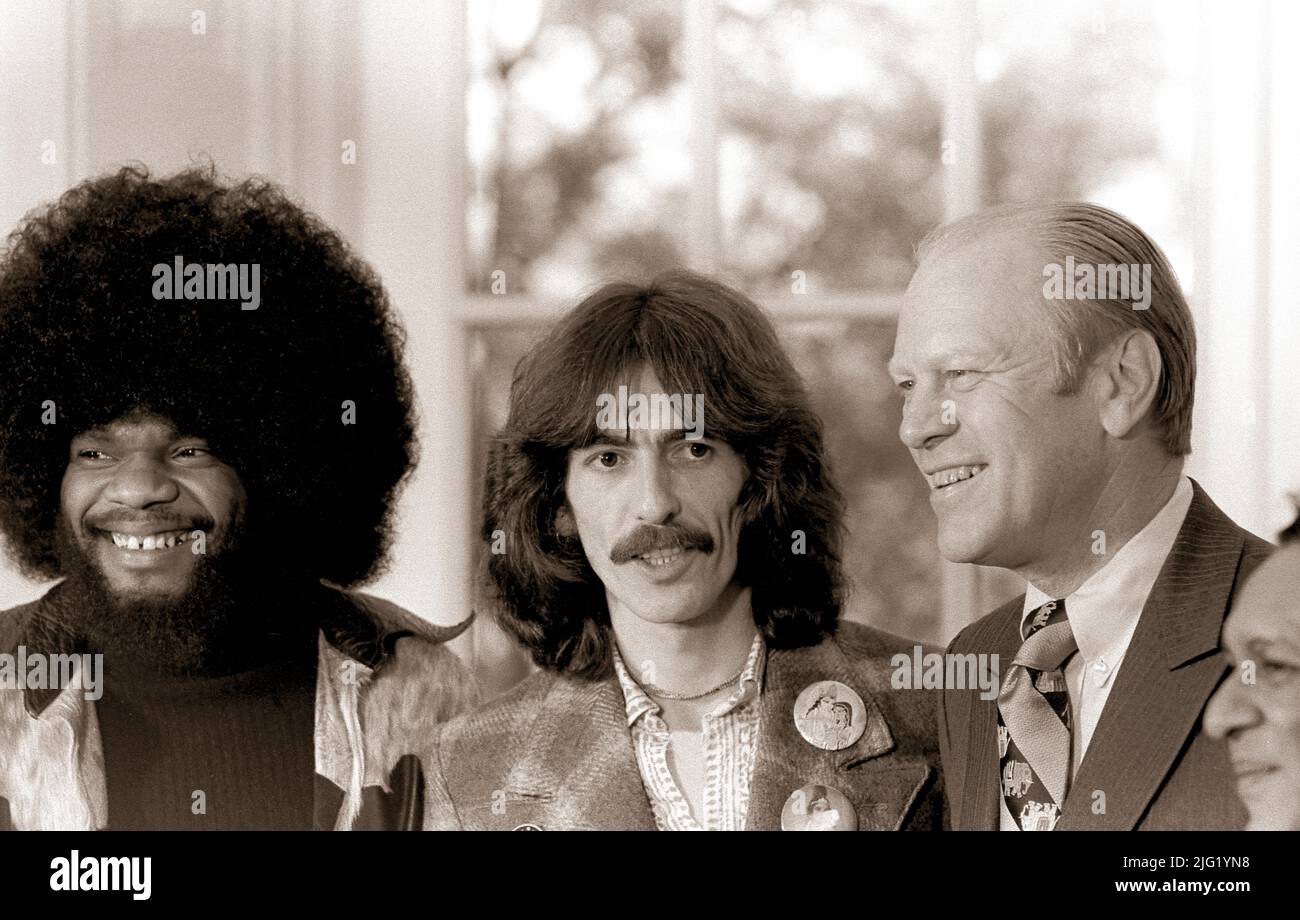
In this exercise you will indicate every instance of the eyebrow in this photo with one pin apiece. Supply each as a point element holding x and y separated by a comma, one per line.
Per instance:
<point>615,438</point>
<point>109,433</point>
<point>895,367</point>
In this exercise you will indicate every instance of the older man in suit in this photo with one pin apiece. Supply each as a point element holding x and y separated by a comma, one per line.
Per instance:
<point>669,556</point>
<point>1046,358</point>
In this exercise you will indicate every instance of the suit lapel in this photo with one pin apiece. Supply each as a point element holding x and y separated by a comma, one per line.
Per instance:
<point>982,786</point>
<point>577,764</point>
<point>1172,665</point>
<point>882,792</point>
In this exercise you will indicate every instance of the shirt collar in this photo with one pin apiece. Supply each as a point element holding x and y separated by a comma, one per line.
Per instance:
<point>1104,610</point>
<point>748,685</point>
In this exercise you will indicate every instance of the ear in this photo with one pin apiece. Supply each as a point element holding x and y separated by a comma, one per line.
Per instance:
<point>565,526</point>
<point>1128,379</point>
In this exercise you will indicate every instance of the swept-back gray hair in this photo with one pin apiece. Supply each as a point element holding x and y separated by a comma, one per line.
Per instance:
<point>1098,236</point>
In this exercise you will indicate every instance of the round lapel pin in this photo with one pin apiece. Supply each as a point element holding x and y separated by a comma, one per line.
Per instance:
<point>830,715</point>
<point>528,827</point>
<point>818,808</point>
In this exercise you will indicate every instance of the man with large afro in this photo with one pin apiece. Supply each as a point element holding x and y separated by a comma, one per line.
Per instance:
<point>210,478</point>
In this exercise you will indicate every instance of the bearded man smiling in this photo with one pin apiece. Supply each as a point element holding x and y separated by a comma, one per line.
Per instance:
<point>192,473</point>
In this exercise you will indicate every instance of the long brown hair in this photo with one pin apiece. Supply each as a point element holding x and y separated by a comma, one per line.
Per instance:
<point>703,337</point>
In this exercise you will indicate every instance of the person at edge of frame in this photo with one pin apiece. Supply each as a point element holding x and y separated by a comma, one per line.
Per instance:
<point>1256,710</point>
<point>208,461</point>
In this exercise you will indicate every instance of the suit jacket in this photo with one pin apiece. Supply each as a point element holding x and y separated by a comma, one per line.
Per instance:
<point>556,751</point>
<point>1148,755</point>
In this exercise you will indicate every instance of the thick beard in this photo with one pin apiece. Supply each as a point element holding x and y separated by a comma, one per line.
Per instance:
<point>219,626</point>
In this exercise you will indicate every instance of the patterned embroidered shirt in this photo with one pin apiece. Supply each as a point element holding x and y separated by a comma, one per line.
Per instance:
<point>729,743</point>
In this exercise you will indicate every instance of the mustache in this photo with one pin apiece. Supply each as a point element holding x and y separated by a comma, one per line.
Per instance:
<point>648,538</point>
<point>114,521</point>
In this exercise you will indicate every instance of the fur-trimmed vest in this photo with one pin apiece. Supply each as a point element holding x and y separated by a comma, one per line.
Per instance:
<point>384,681</point>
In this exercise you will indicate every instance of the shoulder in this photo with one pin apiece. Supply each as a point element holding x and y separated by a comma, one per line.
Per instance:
<point>472,755</point>
<point>14,622</point>
<point>866,644</point>
<point>413,669</point>
<point>1210,531</point>
<point>871,652</point>
<point>481,733</point>
<point>988,631</point>
<point>392,619</point>
<point>472,758</point>
<point>1254,551</point>
<point>373,630</point>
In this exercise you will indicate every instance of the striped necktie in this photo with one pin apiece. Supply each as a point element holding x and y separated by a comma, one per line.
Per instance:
<point>1034,724</point>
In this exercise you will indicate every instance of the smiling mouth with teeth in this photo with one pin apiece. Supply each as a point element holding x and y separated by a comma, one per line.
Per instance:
<point>661,557</point>
<point>152,542</point>
<point>945,478</point>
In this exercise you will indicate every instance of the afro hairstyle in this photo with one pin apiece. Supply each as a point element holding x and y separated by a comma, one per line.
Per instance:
<point>266,387</point>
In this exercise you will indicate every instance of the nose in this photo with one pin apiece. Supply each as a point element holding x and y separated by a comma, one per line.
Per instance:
<point>1231,708</point>
<point>141,481</point>
<point>658,502</point>
<point>927,420</point>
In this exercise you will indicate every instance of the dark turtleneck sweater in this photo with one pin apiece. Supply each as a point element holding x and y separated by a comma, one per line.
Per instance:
<point>244,741</point>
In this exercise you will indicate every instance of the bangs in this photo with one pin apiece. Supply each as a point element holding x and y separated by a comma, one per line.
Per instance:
<point>613,344</point>
<point>699,338</point>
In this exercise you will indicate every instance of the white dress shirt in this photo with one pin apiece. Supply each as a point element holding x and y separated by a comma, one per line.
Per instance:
<point>1103,614</point>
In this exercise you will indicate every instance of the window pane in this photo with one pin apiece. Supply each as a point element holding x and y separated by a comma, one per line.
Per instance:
<point>1092,100</point>
<point>891,553</point>
<point>831,116</point>
<point>577,142</point>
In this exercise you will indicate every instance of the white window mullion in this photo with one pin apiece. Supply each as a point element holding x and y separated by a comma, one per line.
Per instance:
<point>961,156</point>
<point>704,232</point>
<point>964,594</point>
<point>412,147</point>
<point>1232,204</point>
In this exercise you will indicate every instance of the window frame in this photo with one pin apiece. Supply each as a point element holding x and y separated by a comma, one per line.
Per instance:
<point>965,591</point>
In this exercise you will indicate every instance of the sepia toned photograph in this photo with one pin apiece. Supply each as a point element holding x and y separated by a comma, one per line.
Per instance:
<point>616,415</point>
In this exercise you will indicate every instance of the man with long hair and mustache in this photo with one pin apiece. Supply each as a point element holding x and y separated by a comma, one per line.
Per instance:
<point>209,480</point>
<point>673,568</point>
